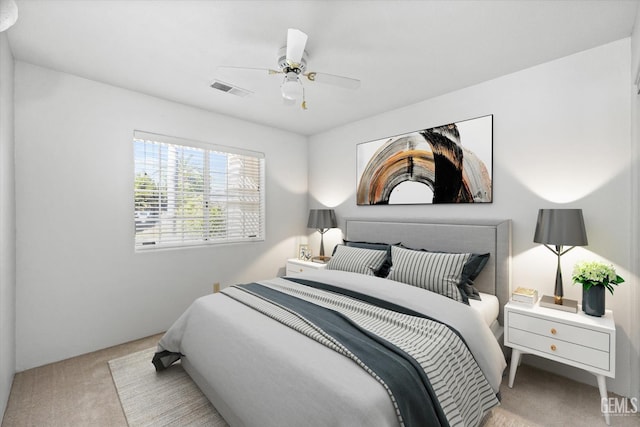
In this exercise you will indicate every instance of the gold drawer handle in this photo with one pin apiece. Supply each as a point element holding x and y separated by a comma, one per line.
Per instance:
<point>553,347</point>
<point>300,270</point>
<point>553,331</point>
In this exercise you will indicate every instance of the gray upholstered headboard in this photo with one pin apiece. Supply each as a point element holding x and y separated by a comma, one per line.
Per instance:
<point>473,236</point>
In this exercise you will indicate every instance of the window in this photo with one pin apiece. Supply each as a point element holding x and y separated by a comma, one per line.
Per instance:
<point>188,193</point>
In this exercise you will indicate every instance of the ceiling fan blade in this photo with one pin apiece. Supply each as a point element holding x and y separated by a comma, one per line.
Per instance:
<point>332,79</point>
<point>231,67</point>
<point>296,42</point>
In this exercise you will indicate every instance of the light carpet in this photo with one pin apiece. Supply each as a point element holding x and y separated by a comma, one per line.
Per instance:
<point>171,398</point>
<point>167,398</point>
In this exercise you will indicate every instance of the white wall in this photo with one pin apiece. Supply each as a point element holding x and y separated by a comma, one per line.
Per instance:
<point>7,226</point>
<point>80,286</point>
<point>561,139</point>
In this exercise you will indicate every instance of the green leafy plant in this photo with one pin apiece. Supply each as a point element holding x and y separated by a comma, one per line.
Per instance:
<point>594,273</point>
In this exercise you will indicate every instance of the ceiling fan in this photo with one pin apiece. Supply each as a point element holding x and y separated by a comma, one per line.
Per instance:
<point>292,63</point>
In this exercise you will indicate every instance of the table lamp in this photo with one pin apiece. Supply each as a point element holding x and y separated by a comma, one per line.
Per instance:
<point>322,220</point>
<point>560,227</point>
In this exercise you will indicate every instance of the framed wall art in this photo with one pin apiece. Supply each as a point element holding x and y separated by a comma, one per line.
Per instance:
<point>446,164</point>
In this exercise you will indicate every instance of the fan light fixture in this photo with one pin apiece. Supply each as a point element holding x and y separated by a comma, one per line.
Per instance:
<point>8,14</point>
<point>291,87</point>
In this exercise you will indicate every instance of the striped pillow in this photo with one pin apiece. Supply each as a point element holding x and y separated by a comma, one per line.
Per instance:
<point>357,260</point>
<point>435,271</point>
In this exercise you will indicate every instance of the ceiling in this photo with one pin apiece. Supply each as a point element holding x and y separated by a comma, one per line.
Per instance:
<point>402,51</point>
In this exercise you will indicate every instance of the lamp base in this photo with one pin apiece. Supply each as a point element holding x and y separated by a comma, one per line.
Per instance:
<point>567,304</point>
<point>321,259</point>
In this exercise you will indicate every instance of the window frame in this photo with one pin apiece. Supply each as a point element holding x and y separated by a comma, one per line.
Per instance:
<point>207,193</point>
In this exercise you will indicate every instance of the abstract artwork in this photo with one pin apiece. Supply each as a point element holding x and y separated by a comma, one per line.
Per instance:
<point>444,164</point>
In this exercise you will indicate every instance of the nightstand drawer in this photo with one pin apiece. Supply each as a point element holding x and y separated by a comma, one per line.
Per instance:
<point>296,269</point>
<point>560,331</point>
<point>563,349</point>
<point>295,266</point>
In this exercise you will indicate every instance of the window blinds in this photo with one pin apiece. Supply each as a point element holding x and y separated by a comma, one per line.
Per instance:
<point>189,193</point>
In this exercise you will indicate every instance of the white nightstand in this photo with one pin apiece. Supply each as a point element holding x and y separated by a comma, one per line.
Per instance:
<point>297,266</point>
<point>574,339</point>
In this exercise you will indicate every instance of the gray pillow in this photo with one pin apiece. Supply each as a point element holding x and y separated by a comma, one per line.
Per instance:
<point>384,269</point>
<point>435,271</point>
<point>471,270</point>
<point>357,260</point>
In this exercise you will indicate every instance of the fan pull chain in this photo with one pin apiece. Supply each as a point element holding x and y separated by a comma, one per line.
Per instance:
<point>304,101</point>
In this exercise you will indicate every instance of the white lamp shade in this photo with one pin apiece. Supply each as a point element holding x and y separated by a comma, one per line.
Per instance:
<point>291,87</point>
<point>8,14</point>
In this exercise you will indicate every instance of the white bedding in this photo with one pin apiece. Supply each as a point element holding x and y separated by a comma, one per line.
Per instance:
<point>488,307</point>
<point>259,373</point>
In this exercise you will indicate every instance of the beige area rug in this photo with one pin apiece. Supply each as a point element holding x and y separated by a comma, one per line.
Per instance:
<point>167,398</point>
<point>171,398</point>
<point>499,417</point>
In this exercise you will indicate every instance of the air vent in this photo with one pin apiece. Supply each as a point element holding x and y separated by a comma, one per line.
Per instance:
<point>233,90</point>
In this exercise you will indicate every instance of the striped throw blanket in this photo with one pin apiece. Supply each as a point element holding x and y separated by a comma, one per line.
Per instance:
<point>425,366</point>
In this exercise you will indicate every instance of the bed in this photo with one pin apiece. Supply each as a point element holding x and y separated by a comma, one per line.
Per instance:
<point>267,354</point>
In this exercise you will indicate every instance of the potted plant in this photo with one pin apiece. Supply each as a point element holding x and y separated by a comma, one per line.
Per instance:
<point>595,277</point>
